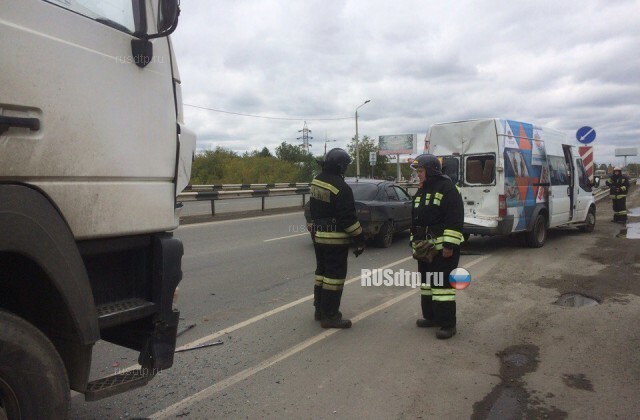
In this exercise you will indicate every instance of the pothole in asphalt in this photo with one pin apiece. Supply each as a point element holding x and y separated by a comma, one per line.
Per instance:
<point>575,300</point>
<point>510,399</point>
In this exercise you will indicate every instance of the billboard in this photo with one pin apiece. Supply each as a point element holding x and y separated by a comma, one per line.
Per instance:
<point>627,151</point>
<point>398,144</point>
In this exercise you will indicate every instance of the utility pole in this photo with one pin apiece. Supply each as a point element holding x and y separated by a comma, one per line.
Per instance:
<point>305,137</point>
<point>357,147</point>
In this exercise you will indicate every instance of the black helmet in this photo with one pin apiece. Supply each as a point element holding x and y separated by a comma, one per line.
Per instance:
<point>430,163</point>
<point>336,161</point>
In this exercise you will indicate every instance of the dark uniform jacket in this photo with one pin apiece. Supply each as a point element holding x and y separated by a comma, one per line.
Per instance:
<point>333,211</point>
<point>438,213</point>
<point>618,186</point>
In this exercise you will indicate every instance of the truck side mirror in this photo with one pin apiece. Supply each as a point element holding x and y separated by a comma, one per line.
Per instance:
<point>168,12</point>
<point>141,47</point>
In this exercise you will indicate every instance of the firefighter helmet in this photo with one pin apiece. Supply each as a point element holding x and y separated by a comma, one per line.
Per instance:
<point>617,168</point>
<point>336,161</point>
<point>430,163</point>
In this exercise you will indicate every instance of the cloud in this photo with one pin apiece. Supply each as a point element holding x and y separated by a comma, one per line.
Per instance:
<point>561,64</point>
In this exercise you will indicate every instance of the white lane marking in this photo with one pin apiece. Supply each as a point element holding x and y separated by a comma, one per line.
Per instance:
<point>242,375</point>
<point>286,237</point>
<point>267,314</point>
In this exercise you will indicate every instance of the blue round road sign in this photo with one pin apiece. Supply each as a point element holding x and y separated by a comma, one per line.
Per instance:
<point>586,135</point>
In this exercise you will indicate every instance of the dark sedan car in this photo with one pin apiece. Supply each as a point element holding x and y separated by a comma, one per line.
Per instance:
<point>383,209</point>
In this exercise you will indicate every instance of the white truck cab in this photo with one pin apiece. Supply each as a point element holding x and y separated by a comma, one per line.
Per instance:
<point>93,151</point>
<point>514,177</point>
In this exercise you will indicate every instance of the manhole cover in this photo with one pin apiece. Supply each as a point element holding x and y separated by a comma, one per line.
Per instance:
<point>575,300</point>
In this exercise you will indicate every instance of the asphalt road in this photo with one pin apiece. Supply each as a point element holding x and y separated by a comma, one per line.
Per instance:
<point>517,353</point>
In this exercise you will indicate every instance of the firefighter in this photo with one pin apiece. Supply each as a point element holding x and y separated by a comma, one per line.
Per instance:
<point>618,187</point>
<point>334,226</point>
<point>438,218</point>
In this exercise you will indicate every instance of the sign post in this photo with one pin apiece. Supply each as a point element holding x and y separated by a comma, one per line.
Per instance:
<point>373,158</point>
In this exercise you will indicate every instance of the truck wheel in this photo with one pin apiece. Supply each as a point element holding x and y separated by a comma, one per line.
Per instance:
<point>33,379</point>
<point>538,234</point>
<point>590,221</point>
<point>384,239</point>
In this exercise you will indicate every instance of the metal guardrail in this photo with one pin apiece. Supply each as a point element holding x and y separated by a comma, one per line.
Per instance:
<point>216,192</point>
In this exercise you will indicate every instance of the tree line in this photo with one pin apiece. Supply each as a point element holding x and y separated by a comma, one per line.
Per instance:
<point>290,163</point>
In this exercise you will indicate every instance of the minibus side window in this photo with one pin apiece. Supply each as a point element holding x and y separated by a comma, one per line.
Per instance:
<point>583,179</point>
<point>558,173</point>
<point>480,169</point>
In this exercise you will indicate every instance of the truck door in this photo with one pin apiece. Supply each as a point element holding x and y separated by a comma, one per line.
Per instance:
<point>107,128</point>
<point>560,190</point>
<point>479,185</point>
<point>571,191</point>
<point>583,191</point>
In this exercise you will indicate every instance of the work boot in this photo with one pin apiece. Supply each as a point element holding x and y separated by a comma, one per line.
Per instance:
<point>331,316</point>
<point>317,315</point>
<point>444,333</point>
<point>317,299</point>
<point>426,323</point>
<point>335,322</point>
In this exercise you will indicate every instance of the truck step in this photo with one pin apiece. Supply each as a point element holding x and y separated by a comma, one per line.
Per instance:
<point>115,384</point>
<point>122,311</point>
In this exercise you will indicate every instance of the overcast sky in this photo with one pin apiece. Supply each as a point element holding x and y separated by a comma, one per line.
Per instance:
<point>562,64</point>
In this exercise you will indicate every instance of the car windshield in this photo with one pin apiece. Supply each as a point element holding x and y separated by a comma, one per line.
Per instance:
<point>364,192</point>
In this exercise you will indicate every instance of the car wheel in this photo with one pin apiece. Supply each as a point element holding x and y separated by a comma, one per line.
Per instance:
<point>33,379</point>
<point>590,221</point>
<point>384,239</point>
<point>538,234</point>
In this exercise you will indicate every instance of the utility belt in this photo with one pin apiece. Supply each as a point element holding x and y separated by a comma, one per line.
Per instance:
<point>426,232</point>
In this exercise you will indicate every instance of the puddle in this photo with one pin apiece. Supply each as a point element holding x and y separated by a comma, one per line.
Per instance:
<point>575,300</point>
<point>510,399</point>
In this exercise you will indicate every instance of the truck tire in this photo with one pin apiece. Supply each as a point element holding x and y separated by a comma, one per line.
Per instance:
<point>590,221</point>
<point>33,379</point>
<point>538,234</point>
<point>384,239</point>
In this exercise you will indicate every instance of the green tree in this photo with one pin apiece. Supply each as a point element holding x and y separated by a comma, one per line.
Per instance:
<point>633,168</point>
<point>208,166</point>
<point>265,152</point>
<point>290,152</point>
<point>366,145</point>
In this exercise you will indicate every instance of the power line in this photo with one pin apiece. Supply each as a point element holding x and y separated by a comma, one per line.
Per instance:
<point>267,117</point>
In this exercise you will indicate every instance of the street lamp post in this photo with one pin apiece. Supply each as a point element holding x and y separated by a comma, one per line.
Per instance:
<point>357,147</point>
<point>325,146</point>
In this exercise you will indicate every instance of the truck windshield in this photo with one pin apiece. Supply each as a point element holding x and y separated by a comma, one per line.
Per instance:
<point>117,14</point>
